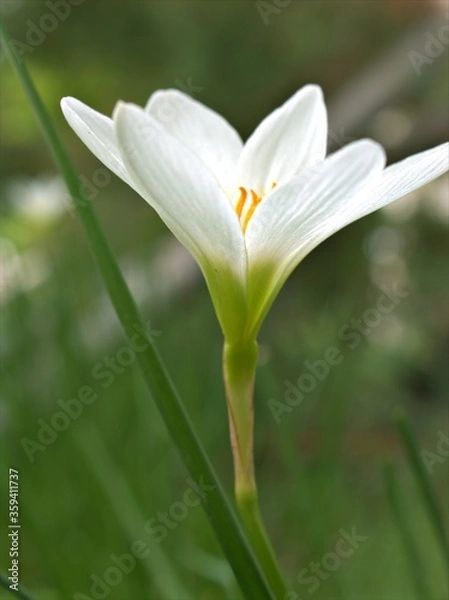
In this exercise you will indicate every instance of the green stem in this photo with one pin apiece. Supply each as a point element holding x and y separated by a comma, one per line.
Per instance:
<point>123,503</point>
<point>221,517</point>
<point>249,510</point>
<point>20,593</point>
<point>423,481</point>
<point>416,568</point>
<point>239,367</point>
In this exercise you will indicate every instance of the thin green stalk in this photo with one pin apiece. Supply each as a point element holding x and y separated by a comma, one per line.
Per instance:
<point>223,521</point>
<point>20,593</point>
<point>110,478</point>
<point>239,368</point>
<point>416,568</point>
<point>249,510</point>
<point>423,481</point>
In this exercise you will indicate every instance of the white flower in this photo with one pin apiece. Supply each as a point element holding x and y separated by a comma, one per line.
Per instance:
<point>248,213</point>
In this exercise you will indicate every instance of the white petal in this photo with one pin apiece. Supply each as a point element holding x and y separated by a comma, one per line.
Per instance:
<point>201,129</point>
<point>97,132</point>
<point>404,177</point>
<point>294,219</point>
<point>304,206</point>
<point>289,140</point>
<point>190,202</point>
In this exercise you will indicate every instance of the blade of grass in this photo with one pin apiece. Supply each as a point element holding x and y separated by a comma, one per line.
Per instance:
<point>416,568</point>
<point>128,513</point>
<point>20,593</point>
<point>309,491</point>
<point>423,481</point>
<point>214,569</point>
<point>221,516</point>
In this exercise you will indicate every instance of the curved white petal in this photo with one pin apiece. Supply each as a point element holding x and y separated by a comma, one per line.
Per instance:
<point>290,140</point>
<point>191,203</point>
<point>97,132</point>
<point>294,219</point>
<point>285,220</point>
<point>404,177</point>
<point>201,129</point>
<point>394,182</point>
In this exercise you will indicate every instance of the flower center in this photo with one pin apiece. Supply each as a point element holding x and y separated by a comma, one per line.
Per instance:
<point>247,204</point>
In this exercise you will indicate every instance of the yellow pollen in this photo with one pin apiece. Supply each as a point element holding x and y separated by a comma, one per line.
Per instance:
<point>255,201</point>
<point>241,201</point>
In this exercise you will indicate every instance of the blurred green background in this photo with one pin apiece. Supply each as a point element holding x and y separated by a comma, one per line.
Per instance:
<point>90,493</point>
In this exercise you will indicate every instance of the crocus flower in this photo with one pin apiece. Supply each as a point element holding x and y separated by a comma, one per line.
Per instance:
<point>248,213</point>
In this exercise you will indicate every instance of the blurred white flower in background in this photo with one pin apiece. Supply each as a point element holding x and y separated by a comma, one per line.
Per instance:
<point>41,198</point>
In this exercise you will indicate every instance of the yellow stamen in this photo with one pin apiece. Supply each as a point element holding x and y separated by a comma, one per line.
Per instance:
<point>241,201</point>
<point>255,201</point>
